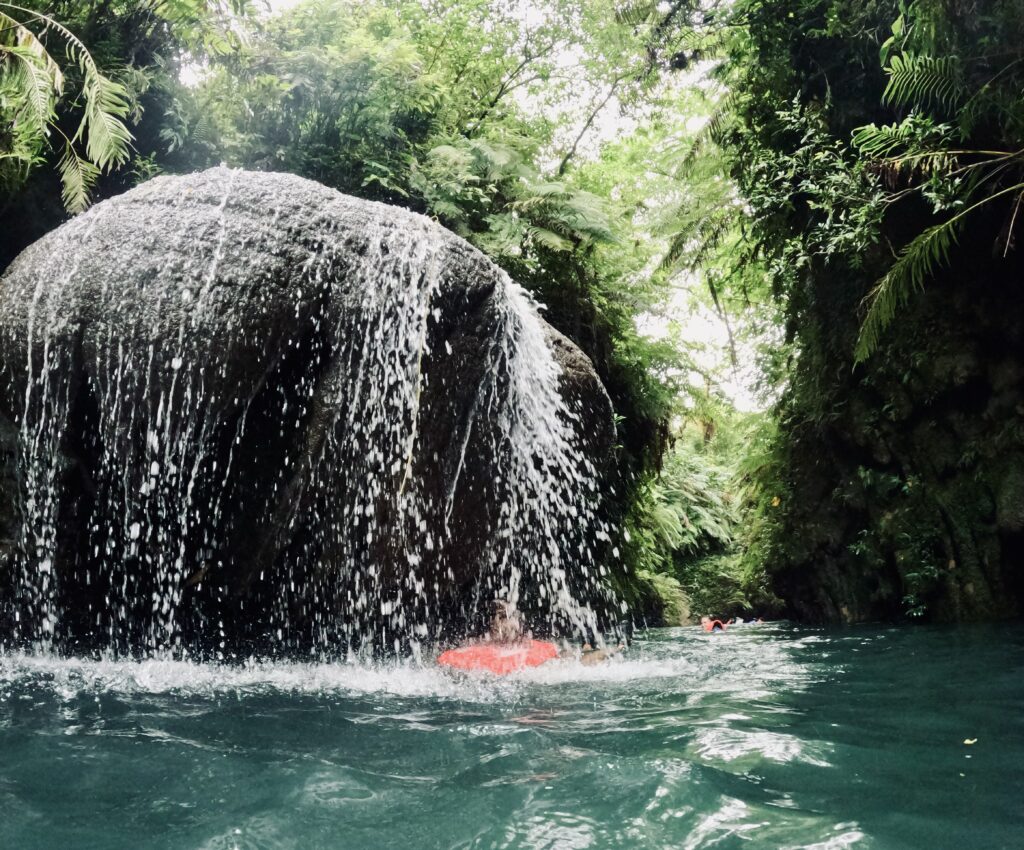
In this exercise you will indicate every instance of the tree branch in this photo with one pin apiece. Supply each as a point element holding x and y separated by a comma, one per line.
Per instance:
<point>586,126</point>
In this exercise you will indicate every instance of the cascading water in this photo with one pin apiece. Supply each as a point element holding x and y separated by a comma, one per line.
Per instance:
<point>550,485</point>
<point>268,412</point>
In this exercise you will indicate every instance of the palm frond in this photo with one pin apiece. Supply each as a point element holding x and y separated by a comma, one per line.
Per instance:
<point>916,264</point>
<point>922,80</point>
<point>78,176</point>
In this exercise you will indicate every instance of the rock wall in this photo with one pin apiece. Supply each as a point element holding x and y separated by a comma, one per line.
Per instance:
<point>903,480</point>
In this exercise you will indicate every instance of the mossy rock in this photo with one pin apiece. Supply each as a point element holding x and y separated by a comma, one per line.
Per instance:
<point>1010,496</point>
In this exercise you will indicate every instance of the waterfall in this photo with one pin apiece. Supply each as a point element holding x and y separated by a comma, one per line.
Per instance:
<point>210,436</point>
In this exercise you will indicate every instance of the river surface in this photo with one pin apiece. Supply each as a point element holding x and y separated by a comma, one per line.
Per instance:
<point>764,737</point>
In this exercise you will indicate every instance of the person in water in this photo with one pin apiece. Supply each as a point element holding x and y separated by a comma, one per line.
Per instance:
<point>593,653</point>
<point>506,646</point>
<point>506,624</point>
<point>710,625</point>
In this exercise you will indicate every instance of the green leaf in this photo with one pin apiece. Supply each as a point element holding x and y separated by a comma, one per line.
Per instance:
<point>108,140</point>
<point>915,265</point>
<point>920,81</point>
<point>78,176</point>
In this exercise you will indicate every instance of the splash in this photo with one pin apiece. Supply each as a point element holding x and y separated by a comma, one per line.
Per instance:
<point>675,656</point>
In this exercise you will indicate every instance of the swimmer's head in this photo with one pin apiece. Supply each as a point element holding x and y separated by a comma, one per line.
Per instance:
<point>506,624</point>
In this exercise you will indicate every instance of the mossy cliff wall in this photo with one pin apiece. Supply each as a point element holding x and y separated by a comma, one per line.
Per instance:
<point>901,480</point>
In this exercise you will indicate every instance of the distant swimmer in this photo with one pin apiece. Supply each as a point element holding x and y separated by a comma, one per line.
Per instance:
<point>710,625</point>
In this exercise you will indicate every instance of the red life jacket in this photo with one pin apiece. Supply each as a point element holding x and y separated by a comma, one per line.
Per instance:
<point>501,659</point>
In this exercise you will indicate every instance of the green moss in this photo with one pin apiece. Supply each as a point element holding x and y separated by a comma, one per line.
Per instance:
<point>1010,495</point>
<point>666,601</point>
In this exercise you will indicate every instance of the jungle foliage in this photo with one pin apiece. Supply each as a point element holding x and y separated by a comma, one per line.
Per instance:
<point>31,82</point>
<point>875,153</point>
<point>837,182</point>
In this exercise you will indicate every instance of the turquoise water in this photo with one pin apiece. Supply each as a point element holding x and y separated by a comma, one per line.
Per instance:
<point>765,737</point>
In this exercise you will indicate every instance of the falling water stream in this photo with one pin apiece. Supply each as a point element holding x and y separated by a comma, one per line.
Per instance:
<point>172,364</point>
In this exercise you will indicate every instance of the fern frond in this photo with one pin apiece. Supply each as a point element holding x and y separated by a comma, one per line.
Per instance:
<point>106,101</point>
<point>205,25</point>
<point>33,75</point>
<point>920,80</point>
<point>29,43</point>
<point>636,12</point>
<point>548,189</point>
<point>203,130</point>
<point>35,89</point>
<point>915,144</point>
<point>78,176</point>
<point>879,142</point>
<point>549,239</point>
<point>586,215</point>
<point>915,265</point>
<point>709,136</point>
<point>697,243</point>
<point>493,159</point>
<point>38,85</point>
<point>108,140</point>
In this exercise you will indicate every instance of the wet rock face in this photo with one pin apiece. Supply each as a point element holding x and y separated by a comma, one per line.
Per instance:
<point>242,405</point>
<point>907,501</point>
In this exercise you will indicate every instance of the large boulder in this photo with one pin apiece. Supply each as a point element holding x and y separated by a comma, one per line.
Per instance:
<point>242,406</point>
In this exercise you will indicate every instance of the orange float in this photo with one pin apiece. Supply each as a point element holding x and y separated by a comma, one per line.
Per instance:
<point>499,658</point>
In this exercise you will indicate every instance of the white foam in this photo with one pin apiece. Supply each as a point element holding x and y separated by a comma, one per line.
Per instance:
<point>69,676</point>
<point>690,665</point>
